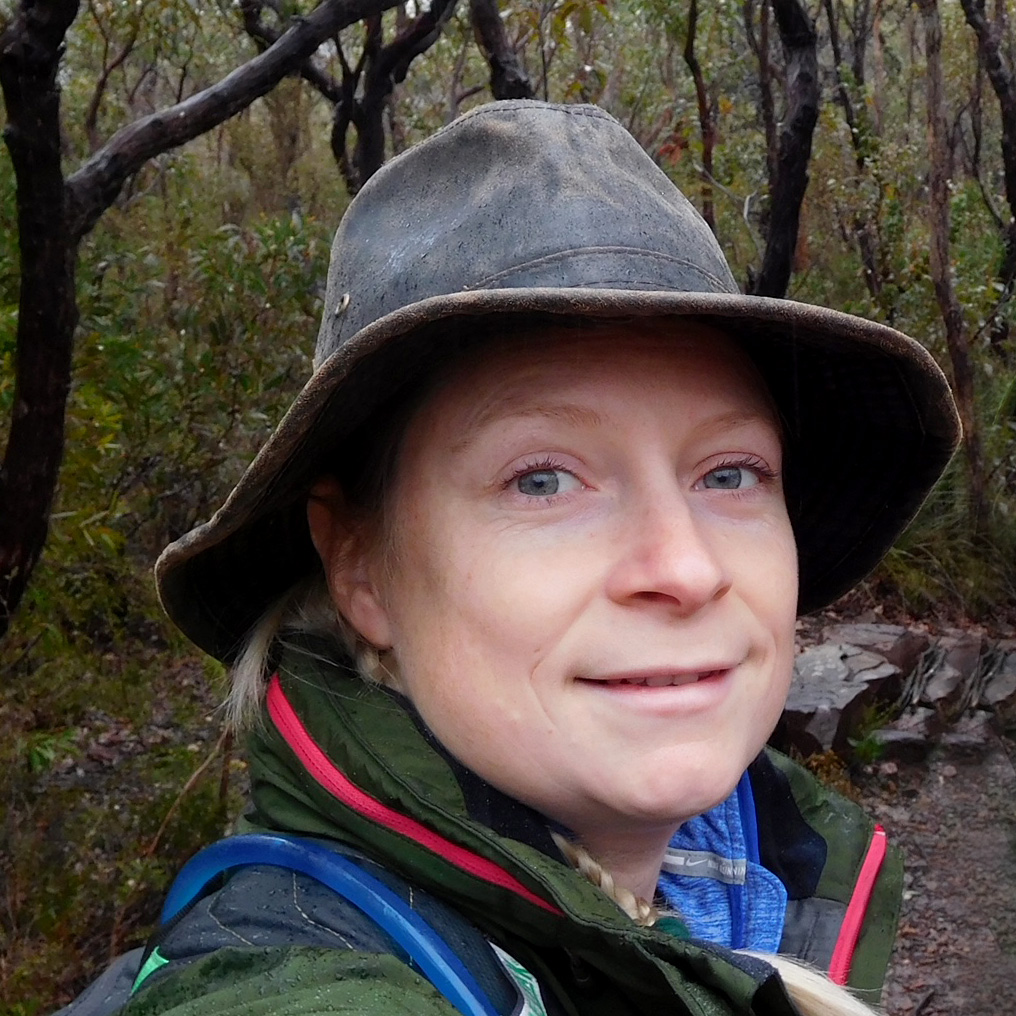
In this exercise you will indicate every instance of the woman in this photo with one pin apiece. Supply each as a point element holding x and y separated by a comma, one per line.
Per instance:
<point>510,599</point>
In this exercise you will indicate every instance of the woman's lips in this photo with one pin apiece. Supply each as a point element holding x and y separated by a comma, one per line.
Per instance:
<point>665,694</point>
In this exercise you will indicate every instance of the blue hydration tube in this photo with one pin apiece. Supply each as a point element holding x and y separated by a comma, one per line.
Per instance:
<point>421,943</point>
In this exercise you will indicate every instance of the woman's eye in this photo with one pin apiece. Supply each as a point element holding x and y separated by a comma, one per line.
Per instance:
<point>546,482</point>
<point>730,478</point>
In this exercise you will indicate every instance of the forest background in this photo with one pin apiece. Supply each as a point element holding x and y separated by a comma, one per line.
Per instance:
<point>159,304</point>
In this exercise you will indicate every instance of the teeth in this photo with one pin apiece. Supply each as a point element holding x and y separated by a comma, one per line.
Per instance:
<point>661,681</point>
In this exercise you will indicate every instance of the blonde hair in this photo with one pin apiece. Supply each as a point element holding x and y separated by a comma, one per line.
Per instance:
<point>305,608</point>
<point>812,991</point>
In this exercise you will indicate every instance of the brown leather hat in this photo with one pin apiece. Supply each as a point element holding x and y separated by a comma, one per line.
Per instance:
<point>534,213</point>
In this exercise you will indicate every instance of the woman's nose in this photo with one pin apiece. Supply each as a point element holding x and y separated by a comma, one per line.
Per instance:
<point>668,556</point>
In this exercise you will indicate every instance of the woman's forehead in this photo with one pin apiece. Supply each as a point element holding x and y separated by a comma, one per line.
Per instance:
<point>570,372</point>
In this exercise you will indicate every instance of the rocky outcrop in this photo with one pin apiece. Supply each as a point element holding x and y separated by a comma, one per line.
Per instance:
<point>900,646</point>
<point>905,689</point>
<point>834,687</point>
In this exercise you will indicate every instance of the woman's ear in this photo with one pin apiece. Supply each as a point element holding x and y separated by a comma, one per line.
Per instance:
<point>344,554</point>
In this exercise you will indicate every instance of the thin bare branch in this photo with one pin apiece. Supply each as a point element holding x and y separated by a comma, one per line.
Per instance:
<point>1003,81</point>
<point>416,39</point>
<point>92,189</point>
<point>706,113</point>
<point>99,92</point>
<point>221,747</point>
<point>265,36</point>
<point>940,263</point>
<point>759,45</point>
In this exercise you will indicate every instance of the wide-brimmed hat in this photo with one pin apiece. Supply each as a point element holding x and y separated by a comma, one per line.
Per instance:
<point>521,213</point>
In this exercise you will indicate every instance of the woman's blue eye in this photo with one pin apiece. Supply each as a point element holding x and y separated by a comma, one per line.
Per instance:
<point>545,482</point>
<point>730,478</point>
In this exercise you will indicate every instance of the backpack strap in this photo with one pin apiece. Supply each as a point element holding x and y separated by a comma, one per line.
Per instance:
<point>424,947</point>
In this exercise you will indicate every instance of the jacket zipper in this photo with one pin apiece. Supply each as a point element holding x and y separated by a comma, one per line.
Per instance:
<point>850,930</point>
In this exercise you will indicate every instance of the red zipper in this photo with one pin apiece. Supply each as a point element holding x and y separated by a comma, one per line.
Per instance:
<point>850,931</point>
<point>329,776</point>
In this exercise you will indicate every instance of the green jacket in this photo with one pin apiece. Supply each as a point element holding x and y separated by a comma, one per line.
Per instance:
<point>339,760</point>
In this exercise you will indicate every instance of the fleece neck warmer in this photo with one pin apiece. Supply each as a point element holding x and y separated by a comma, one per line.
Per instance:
<point>713,878</point>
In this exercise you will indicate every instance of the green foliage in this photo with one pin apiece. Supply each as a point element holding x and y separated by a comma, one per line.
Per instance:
<point>80,878</point>
<point>938,564</point>
<point>866,750</point>
<point>40,750</point>
<point>865,745</point>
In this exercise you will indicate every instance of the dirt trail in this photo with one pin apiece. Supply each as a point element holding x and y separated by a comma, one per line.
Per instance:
<point>955,817</point>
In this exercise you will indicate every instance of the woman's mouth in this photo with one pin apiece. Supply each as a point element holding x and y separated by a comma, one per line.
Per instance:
<point>660,680</point>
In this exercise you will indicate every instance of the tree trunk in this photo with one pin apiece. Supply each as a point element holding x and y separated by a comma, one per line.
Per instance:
<point>940,171</point>
<point>706,117</point>
<point>1002,76</point>
<point>508,79</point>
<point>30,52</point>
<point>384,71</point>
<point>786,194</point>
<point>94,187</point>
<point>379,69</point>
<point>864,223</point>
<point>369,150</point>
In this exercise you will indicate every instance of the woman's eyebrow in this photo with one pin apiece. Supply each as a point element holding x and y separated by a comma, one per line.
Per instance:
<point>508,409</point>
<point>503,410</point>
<point>740,418</point>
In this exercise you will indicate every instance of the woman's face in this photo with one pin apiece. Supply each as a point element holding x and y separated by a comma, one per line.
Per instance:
<point>591,586</point>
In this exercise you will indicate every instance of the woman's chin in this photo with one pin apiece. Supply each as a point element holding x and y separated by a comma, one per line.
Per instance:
<point>666,803</point>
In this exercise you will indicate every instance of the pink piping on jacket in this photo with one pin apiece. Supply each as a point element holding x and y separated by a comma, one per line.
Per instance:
<point>843,954</point>
<point>326,773</point>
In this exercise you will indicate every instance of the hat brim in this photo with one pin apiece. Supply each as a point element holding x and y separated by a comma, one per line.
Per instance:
<point>868,416</point>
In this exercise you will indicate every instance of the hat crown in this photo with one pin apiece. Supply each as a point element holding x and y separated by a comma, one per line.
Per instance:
<point>515,195</point>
